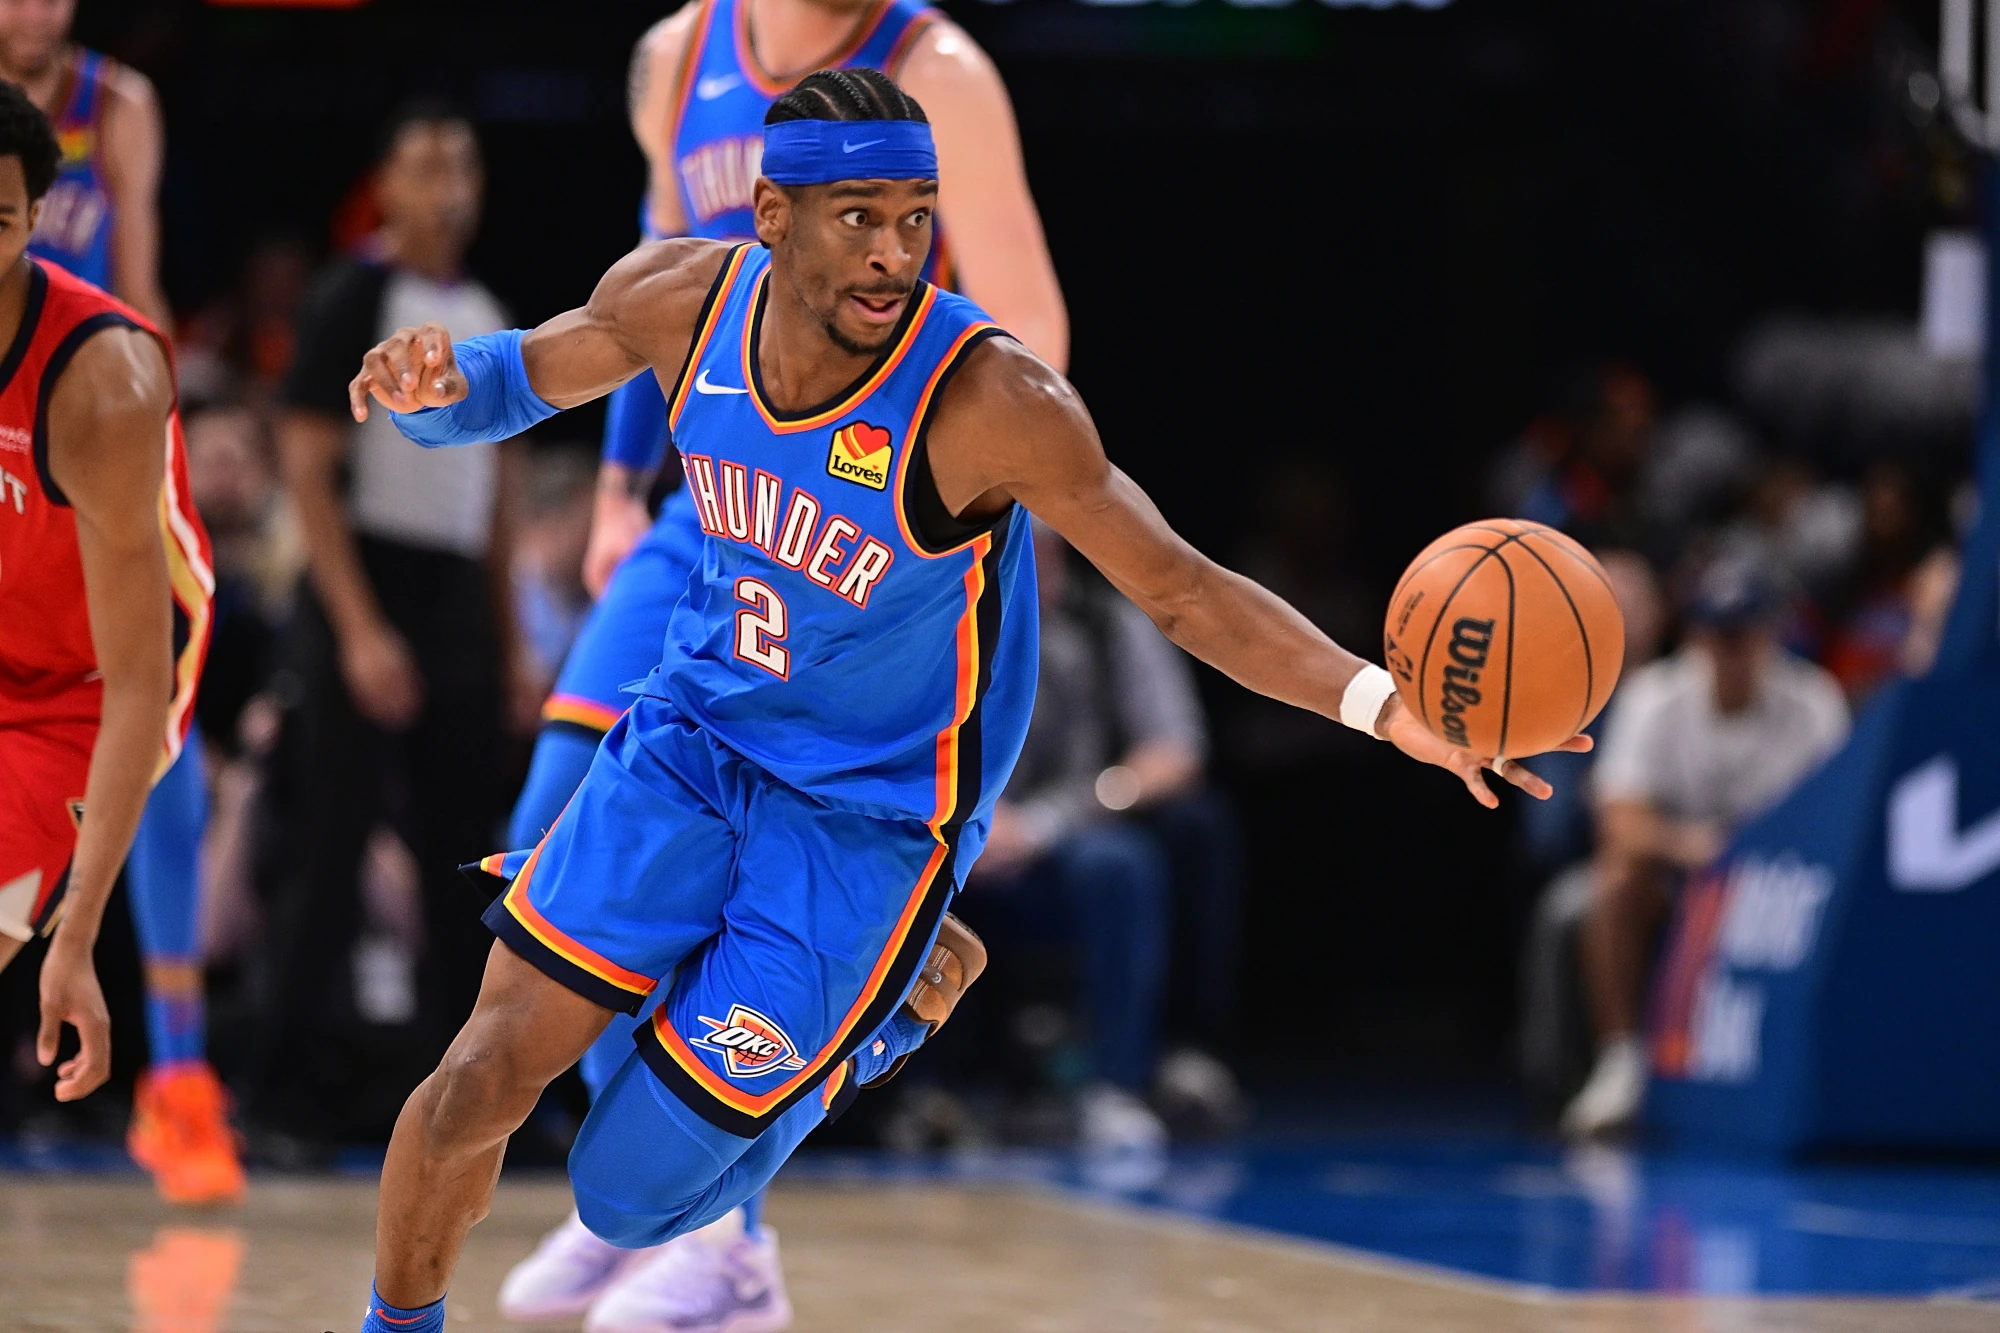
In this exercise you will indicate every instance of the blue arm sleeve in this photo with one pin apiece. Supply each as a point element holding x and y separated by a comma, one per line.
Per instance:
<point>499,402</point>
<point>635,425</point>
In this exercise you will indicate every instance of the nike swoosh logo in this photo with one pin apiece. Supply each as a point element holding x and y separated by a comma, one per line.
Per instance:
<point>1930,849</point>
<point>847,147</point>
<point>701,385</point>
<point>715,85</point>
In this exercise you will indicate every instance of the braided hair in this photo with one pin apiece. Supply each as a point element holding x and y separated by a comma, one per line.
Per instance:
<point>846,94</point>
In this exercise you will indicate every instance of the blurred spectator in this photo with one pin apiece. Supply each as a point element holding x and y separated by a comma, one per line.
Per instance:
<point>550,601</point>
<point>1872,614</point>
<point>1106,805</point>
<point>1804,529</point>
<point>403,645</point>
<point>240,346</point>
<point>1557,837</point>
<point>258,555</point>
<point>101,218</point>
<point>1580,470</point>
<point>1932,589</point>
<point>257,559</point>
<point>1694,745</point>
<point>1303,552</point>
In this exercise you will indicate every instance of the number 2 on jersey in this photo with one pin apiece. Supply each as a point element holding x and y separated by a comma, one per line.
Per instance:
<point>760,628</point>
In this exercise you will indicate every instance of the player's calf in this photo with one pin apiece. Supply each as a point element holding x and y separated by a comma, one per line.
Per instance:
<point>445,1155</point>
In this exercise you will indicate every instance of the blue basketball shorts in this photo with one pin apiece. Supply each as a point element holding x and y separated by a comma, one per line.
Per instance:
<point>626,631</point>
<point>790,930</point>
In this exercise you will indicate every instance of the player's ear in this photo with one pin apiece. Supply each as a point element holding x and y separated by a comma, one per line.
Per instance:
<point>772,208</point>
<point>34,215</point>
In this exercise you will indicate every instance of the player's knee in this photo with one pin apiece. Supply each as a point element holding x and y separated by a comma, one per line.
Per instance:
<point>627,1223</point>
<point>480,1091</point>
<point>635,1205</point>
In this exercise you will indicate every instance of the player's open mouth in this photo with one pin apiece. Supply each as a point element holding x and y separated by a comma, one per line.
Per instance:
<point>880,309</point>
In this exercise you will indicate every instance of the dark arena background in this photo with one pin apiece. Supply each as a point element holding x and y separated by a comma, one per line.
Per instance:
<point>1339,275</point>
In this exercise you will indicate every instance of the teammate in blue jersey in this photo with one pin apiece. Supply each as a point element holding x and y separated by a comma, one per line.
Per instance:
<point>701,84</point>
<point>775,827</point>
<point>101,222</point>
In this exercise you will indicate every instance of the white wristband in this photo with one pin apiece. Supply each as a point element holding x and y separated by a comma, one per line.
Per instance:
<point>1361,705</point>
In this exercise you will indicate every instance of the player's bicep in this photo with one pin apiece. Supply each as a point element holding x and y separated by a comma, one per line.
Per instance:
<point>134,144</point>
<point>1046,454</point>
<point>107,421</point>
<point>107,433</point>
<point>654,83</point>
<point>642,314</point>
<point>576,357</point>
<point>998,249</point>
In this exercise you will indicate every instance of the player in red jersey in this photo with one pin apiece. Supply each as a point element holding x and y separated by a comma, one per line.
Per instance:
<point>105,586</point>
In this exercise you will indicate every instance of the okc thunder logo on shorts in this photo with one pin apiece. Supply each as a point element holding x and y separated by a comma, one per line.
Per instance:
<point>750,1044</point>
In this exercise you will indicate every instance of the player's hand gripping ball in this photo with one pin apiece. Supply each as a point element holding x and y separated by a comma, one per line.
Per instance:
<point>1504,638</point>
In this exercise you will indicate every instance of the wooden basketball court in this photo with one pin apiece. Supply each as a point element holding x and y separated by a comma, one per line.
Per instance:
<point>101,1256</point>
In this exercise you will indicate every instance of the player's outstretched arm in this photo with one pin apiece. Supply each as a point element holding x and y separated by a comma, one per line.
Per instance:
<point>642,313</point>
<point>1010,428</point>
<point>107,441</point>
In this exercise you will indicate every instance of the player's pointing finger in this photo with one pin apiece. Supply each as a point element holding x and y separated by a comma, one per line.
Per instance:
<point>1521,776</point>
<point>385,382</point>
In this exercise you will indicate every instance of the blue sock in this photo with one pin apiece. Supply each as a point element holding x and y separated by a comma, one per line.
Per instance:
<point>386,1318</point>
<point>753,1213</point>
<point>891,1042</point>
<point>175,1029</point>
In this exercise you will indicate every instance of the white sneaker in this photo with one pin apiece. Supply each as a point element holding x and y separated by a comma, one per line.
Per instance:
<point>697,1285</point>
<point>567,1272</point>
<point>1610,1101</point>
<point>1111,1119</point>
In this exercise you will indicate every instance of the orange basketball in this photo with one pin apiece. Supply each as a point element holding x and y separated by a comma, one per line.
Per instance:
<point>1504,637</point>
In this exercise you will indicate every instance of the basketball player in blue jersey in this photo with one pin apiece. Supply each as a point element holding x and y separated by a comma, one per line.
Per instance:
<point>101,222</point>
<point>775,827</point>
<point>702,81</point>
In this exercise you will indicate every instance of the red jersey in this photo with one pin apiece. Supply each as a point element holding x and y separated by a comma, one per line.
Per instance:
<point>48,668</point>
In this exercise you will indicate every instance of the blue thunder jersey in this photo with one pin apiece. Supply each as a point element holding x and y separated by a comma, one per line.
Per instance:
<point>842,630</point>
<point>75,226</point>
<point>718,127</point>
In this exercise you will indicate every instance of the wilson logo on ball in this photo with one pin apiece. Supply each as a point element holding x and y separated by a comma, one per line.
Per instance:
<point>1471,641</point>
<point>1504,638</point>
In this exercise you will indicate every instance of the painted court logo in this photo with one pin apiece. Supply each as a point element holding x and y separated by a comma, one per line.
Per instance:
<point>860,454</point>
<point>750,1044</point>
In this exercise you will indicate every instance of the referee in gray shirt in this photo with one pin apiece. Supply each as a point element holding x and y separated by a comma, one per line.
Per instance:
<point>403,645</point>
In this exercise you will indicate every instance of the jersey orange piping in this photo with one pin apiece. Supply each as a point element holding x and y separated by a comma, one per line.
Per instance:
<point>758,1103</point>
<point>753,73</point>
<point>577,955</point>
<point>944,366</point>
<point>892,65</point>
<point>925,301</point>
<point>684,79</point>
<point>729,274</point>
<point>965,689</point>
<point>580,712</point>
<point>193,586</point>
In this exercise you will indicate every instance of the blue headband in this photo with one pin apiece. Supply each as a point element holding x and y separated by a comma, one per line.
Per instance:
<point>820,152</point>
